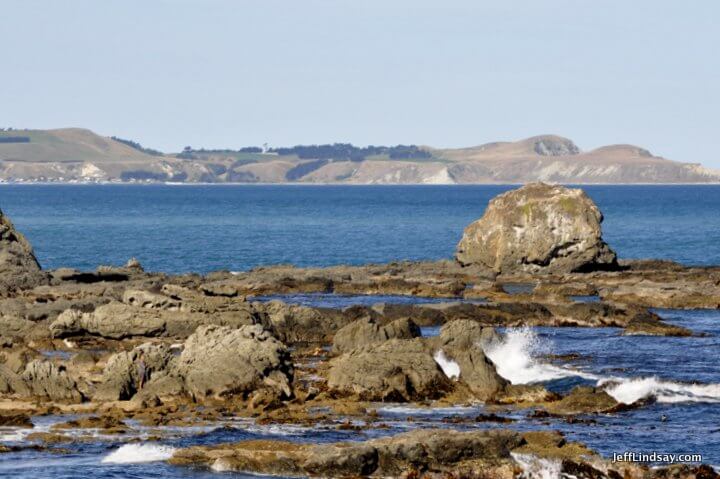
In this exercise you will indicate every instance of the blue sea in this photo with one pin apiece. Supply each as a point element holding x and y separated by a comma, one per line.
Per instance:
<point>236,227</point>
<point>205,228</point>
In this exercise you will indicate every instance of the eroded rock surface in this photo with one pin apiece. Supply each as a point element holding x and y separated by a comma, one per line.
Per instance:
<point>219,361</point>
<point>397,369</point>
<point>18,266</point>
<point>537,228</point>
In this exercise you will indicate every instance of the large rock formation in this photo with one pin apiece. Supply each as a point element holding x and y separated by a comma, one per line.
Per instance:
<point>220,361</point>
<point>537,228</point>
<point>394,370</point>
<point>216,361</point>
<point>18,266</point>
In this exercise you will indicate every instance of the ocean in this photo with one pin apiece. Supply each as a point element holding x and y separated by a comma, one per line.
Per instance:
<point>205,228</point>
<point>236,227</point>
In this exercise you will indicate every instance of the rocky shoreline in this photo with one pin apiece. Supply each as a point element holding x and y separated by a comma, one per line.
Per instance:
<point>70,342</point>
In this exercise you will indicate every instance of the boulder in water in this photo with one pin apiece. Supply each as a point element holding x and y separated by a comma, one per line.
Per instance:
<point>429,450</point>
<point>538,228</point>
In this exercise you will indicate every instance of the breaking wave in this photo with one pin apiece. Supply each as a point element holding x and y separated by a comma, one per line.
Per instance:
<point>448,366</point>
<point>628,391</point>
<point>137,453</point>
<point>516,359</point>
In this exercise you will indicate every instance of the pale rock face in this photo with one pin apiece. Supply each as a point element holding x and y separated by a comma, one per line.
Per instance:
<point>538,228</point>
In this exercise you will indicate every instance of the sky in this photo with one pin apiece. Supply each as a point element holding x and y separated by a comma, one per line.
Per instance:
<point>233,73</point>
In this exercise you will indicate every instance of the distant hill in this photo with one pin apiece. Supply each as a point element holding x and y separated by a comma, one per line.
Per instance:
<point>79,155</point>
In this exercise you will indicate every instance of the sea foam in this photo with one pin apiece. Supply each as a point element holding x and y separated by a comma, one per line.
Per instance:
<point>628,391</point>
<point>448,366</point>
<point>538,468</point>
<point>138,453</point>
<point>514,358</point>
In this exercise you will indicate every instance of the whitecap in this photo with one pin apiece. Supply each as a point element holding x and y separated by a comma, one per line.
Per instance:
<point>138,453</point>
<point>628,391</point>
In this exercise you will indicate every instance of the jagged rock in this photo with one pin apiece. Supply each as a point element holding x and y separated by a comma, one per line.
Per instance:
<point>120,379</point>
<point>12,383</point>
<point>134,265</point>
<point>19,268</point>
<point>220,361</point>
<point>17,359</point>
<point>394,370</point>
<point>45,379</point>
<point>114,320</point>
<point>462,341</point>
<point>366,331</point>
<point>537,228</point>
<point>431,450</point>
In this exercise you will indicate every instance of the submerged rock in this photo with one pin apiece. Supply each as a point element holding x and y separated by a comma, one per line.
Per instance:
<point>15,419</point>
<point>584,400</point>
<point>537,228</point>
<point>648,325</point>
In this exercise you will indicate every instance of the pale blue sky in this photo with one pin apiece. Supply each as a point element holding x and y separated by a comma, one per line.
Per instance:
<point>222,73</point>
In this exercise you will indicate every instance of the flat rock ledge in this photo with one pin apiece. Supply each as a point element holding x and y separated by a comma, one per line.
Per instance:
<point>427,453</point>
